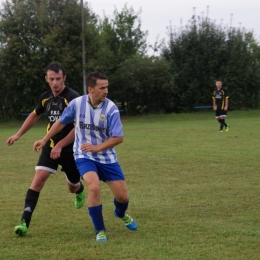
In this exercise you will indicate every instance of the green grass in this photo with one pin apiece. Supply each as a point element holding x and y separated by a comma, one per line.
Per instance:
<point>194,192</point>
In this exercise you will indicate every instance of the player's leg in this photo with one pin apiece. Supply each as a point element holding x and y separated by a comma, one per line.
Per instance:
<point>121,202</point>
<point>44,168</point>
<point>88,171</point>
<point>217,116</point>
<point>221,121</point>
<point>227,127</point>
<point>73,178</point>
<point>116,182</point>
<point>223,117</point>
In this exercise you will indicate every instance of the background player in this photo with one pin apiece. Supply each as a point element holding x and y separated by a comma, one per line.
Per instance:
<point>220,105</point>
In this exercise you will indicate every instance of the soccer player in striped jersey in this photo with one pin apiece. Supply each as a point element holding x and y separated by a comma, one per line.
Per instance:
<point>98,129</point>
<point>53,102</point>
<point>220,105</point>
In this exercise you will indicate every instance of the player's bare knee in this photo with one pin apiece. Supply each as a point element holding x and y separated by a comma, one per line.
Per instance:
<point>123,198</point>
<point>94,191</point>
<point>37,183</point>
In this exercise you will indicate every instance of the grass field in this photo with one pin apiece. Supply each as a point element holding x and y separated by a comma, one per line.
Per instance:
<point>194,193</point>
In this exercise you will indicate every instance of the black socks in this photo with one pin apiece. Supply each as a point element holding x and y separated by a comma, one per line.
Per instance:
<point>31,199</point>
<point>80,189</point>
<point>222,123</point>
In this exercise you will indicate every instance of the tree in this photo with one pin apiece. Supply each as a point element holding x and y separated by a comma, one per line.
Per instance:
<point>241,69</point>
<point>202,52</point>
<point>34,33</point>
<point>120,38</point>
<point>146,85</point>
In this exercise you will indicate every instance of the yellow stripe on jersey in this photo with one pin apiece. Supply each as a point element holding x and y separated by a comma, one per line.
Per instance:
<point>48,128</point>
<point>44,100</point>
<point>52,143</point>
<point>223,100</point>
<point>66,102</point>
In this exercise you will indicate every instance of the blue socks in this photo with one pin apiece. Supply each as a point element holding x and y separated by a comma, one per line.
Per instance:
<point>97,217</point>
<point>120,208</point>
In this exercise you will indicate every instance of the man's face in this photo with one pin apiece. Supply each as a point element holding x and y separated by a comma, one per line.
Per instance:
<point>218,84</point>
<point>99,92</point>
<point>55,81</point>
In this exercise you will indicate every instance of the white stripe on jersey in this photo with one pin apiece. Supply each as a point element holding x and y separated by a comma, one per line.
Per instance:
<point>93,125</point>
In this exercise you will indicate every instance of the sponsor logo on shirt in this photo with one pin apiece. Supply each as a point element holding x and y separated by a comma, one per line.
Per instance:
<point>55,115</point>
<point>90,127</point>
<point>219,95</point>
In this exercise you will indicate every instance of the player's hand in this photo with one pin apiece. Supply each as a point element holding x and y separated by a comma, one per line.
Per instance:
<point>38,145</point>
<point>55,152</point>
<point>88,147</point>
<point>12,139</point>
<point>214,108</point>
<point>225,108</point>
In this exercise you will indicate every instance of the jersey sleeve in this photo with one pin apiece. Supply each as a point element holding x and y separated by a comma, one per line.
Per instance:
<point>114,123</point>
<point>40,106</point>
<point>68,115</point>
<point>213,94</point>
<point>226,94</point>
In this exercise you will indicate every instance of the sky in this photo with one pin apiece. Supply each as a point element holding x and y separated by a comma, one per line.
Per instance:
<point>156,16</point>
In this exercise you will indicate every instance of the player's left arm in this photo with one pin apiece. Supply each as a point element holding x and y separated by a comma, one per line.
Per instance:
<point>109,143</point>
<point>226,104</point>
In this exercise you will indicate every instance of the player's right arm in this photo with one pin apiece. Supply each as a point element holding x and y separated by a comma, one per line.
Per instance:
<point>56,128</point>
<point>56,151</point>
<point>28,123</point>
<point>66,118</point>
<point>214,102</point>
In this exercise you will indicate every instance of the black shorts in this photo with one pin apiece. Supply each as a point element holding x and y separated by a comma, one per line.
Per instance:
<point>221,113</point>
<point>66,161</point>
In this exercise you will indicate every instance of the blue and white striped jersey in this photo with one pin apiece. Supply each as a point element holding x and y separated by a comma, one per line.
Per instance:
<point>93,125</point>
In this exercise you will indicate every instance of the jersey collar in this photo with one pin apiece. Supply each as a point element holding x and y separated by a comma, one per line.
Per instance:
<point>100,105</point>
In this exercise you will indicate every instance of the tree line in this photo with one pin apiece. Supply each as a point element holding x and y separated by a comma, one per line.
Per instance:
<point>182,75</point>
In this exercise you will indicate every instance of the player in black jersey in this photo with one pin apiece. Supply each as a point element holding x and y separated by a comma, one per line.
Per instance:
<point>54,153</point>
<point>220,105</point>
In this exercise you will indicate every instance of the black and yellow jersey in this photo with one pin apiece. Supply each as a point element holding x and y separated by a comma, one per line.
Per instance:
<point>53,107</point>
<point>220,95</point>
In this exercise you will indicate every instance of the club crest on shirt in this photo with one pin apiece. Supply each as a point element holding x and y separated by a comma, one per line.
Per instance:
<point>102,117</point>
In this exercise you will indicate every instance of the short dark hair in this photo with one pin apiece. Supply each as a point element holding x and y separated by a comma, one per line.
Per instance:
<point>56,67</point>
<point>92,77</point>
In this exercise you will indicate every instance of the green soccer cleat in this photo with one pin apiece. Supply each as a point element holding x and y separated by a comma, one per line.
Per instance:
<point>128,221</point>
<point>220,131</point>
<point>227,127</point>
<point>101,236</point>
<point>21,230</point>
<point>80,200</point>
